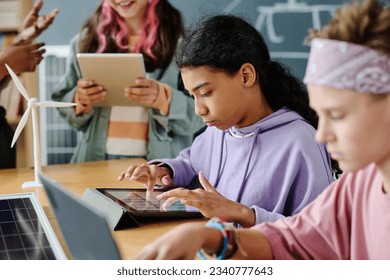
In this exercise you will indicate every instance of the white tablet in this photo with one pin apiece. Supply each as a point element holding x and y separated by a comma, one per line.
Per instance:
<point>114,71</point>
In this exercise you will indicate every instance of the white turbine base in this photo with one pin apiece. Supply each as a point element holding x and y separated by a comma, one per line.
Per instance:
<point>31,184</point>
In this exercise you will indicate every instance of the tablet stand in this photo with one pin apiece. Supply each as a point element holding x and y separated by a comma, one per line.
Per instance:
<point>117,217</point>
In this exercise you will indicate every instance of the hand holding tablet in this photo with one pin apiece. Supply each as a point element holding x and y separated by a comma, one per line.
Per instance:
<point>111,74</point>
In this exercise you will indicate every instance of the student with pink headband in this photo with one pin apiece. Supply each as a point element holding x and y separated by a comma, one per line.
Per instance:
<point>166,123</point>
<point>348,78</point>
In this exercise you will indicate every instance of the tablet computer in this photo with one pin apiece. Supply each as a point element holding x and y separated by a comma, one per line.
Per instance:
<point>141,204</point>
<point>114,71</point>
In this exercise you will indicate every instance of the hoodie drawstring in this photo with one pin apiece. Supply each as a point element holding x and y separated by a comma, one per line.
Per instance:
<point>248,161</point>
<point>220,160</point>
<point>244,178</point>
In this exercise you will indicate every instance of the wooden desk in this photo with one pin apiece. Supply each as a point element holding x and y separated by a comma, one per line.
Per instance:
<point>78,177</point>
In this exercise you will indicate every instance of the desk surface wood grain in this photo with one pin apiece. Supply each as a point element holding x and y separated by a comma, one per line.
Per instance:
<point>78,177</point>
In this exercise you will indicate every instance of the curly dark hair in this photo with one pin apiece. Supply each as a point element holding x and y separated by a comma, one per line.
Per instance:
<point>225,42</point>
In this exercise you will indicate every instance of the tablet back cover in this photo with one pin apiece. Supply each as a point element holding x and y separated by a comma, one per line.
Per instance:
<point>114,72</point>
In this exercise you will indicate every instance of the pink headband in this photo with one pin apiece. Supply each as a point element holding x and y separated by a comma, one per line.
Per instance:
<point>344,65</point>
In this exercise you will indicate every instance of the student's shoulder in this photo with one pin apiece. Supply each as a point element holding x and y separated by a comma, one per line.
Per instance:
<point>359,184</point>
<point>76,39</point>
<point>364,176</point>
<point>299,128</point>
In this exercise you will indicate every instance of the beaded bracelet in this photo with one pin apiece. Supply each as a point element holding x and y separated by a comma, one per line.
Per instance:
<point>230,240</point>
<point>232,244</point>
<point>218,224</point>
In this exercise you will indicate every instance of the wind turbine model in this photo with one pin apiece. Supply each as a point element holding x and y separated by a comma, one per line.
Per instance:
<point>33,104</point>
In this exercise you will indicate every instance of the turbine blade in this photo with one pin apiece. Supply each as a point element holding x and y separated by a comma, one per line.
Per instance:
<point>21,125</point>
<point>55,104</point>
<point>18,83</point>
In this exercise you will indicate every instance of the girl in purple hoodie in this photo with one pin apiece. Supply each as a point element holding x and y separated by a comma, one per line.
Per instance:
<point>258,153</point>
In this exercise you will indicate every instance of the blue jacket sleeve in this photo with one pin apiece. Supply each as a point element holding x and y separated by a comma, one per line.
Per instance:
<point>181,119</point>
<point>65,90</point>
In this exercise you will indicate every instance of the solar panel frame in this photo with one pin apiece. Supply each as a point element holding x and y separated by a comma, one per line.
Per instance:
<point>25,231</point>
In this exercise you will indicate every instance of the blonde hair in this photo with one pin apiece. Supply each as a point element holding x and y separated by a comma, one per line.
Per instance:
<point>366,23</point>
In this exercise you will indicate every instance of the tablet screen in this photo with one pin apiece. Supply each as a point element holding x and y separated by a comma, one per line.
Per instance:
<point>138,200</point>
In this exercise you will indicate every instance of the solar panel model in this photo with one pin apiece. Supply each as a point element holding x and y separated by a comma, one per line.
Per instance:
<point>25,232</point>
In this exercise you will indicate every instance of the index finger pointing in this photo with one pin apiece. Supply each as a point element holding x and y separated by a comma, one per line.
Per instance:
<point>205,184</point>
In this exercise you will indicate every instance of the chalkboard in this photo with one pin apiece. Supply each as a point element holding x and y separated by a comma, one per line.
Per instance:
<point>284,23</point>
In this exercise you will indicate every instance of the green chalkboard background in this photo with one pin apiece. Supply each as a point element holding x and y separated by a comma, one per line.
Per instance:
<point>284,24</point>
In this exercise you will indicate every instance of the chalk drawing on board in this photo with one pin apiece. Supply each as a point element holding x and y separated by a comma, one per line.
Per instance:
<point>265,20</point>
<point>266,15</point>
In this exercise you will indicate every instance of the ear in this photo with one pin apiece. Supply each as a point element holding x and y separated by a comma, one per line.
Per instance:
<point>248,74</point>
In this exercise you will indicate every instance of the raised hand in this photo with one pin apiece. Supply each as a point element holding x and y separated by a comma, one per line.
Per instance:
<point>34,24</point>
<point>22,58</point>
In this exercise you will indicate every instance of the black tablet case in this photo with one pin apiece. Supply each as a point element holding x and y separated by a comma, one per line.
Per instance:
<point>119,217</point>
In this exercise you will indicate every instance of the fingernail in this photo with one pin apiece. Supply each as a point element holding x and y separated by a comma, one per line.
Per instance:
<point>165,181</point>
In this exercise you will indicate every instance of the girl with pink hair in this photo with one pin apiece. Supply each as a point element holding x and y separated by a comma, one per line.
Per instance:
<point>166,122</point>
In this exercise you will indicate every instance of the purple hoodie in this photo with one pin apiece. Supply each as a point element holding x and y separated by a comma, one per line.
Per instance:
<point>274,166</point>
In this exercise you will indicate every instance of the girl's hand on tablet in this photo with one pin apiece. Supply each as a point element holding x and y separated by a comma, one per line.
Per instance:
<point>148,174</point>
